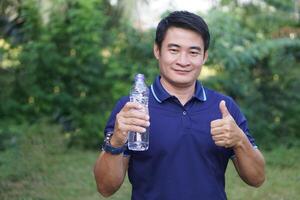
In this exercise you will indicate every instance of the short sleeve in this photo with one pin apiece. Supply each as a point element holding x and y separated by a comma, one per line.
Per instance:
<point>241,121</point>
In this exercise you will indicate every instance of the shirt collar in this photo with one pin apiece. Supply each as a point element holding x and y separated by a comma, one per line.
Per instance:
<point>160,94</point>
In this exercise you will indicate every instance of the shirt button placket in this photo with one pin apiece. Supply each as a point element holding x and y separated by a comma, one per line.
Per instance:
<point>186,121</point>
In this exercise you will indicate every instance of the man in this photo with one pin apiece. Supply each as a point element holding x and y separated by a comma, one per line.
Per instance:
<point>194,131</point>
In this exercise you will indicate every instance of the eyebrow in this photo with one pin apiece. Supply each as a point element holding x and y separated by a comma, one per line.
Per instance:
<point>178,46</point>
<point>196,48</point>
<point>173,45</point>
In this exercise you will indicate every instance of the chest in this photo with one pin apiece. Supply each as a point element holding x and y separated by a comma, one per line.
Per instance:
<point>181,131</point>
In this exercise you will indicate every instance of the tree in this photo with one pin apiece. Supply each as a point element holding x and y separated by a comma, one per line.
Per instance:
<point>73,66</point>
<point>258,65</point>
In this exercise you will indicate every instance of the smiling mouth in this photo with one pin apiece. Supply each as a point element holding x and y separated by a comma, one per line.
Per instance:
<point>181,71</point>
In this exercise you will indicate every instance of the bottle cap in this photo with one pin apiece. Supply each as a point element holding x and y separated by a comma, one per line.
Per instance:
<point>139,77</point>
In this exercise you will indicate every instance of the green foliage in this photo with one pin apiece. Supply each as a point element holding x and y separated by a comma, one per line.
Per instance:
<point>69,175</point>
<point>258,70</point>
<point>71,62</point>
<point>281,178</point>
<point>75,62</point>
<point>28,149</point>
<point>26,158</point>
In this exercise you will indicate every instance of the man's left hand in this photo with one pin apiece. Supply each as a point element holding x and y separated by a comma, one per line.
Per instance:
<point>225,132</point>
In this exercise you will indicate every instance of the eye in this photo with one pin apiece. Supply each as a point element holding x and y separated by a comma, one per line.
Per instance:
<point>173,51</point>
<point>195,53</point>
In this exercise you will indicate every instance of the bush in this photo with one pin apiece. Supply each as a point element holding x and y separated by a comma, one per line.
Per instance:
<point>259,71</point>
<point>72,62</point>
<point>73,66</point>
<point>29,148</point>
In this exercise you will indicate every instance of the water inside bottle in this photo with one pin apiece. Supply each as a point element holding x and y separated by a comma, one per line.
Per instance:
<point>138,141</point>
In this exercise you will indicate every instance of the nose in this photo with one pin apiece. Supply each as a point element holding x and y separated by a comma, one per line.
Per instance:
<point>183,60</point>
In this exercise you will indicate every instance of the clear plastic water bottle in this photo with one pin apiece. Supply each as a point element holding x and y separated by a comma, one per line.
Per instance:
<point>140,94</point>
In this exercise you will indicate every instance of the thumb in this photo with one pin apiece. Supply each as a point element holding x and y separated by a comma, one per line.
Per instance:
<point>223,109</point>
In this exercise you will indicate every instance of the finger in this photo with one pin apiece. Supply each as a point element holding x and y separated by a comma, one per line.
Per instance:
<point>220,143</point>
<point>136,122</point>
<point>223,109</point>
<point>131,105</point>
<point>217,130</point>
<point>224,143</point>
<point>134,113</point>
<point>134,128</point>
<point>218,138</point>
<point>217,123</point>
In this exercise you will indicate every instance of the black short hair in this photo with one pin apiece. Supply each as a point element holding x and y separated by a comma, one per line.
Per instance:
<point>186,20</point>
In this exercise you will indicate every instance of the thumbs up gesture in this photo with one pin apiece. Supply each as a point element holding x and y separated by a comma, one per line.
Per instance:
<point>225,132</point>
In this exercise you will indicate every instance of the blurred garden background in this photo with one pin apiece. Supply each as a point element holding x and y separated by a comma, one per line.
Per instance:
<point>64,64</point>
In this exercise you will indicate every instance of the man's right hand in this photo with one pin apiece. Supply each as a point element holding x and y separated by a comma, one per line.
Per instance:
<point>130,118</point>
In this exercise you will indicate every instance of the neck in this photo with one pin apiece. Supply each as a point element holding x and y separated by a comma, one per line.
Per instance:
<point>182,93</point>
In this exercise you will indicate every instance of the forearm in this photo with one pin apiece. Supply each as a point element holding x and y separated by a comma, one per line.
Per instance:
<point>110,169</point>
<point>109,172</point>
<point>249,163</point>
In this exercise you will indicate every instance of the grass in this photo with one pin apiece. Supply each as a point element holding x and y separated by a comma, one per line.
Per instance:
<point>67,175</point>
<point>282,178</point>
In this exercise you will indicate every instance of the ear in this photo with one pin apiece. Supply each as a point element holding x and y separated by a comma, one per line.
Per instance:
<point>205,56</point>
<point>156,51</point>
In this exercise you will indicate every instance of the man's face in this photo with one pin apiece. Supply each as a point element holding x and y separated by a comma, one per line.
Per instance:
<point>181,57</point>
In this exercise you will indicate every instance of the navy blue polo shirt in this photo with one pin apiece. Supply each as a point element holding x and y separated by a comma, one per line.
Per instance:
<point>182,161</point>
